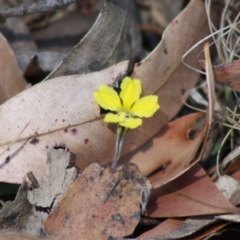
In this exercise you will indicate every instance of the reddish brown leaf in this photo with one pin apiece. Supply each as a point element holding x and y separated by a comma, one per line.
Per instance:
<point>101,203</point>
<point>193,193</point>
<point>185,135</point>
<point>228,74</point>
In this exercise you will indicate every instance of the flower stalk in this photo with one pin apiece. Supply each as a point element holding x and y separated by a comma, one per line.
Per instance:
<point>121,133</point>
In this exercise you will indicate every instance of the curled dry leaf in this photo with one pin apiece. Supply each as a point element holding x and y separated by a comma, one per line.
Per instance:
<point>228,74</point>
<point>104,203</point>
<point>62,111</point>
<point>12,80</point>
<point>114,37</point>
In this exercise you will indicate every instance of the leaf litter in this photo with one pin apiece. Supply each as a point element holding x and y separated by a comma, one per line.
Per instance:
<point>71,119</point>
<point>84,134</point>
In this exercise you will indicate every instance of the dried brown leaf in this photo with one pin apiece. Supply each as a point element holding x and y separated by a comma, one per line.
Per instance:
<point>185,135</point>
<point>103,203</point>
<point>188,195</point>
<point>114,37</point>
<point>12,80</point>
<point>228,74</point>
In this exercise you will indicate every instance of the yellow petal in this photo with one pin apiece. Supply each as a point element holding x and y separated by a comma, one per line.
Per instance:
<point>145,107</point>
<point>114,118</point>
<point>108,98</point>
<point>131,122</point>
<point>130,92</point>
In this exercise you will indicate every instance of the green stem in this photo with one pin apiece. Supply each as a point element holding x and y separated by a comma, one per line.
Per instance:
<point>121,132</point>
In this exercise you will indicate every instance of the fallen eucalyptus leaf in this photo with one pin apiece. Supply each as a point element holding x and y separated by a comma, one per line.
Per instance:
<point>114,37</point>
<point>71,120</point>
<point>188,195</point>
<point>103,204</point>
<point>186,135</point>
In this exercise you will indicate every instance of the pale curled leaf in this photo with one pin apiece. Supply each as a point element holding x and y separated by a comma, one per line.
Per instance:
<point>56,113</point>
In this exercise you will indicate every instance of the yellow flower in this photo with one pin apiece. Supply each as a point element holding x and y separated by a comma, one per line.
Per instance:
<point>128,106</point>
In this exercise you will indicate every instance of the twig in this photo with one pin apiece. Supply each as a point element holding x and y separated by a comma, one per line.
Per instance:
<point>38,7</point>
<point>33,179</point>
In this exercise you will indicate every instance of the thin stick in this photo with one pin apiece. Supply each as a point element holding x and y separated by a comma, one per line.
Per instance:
<point>46,6</point>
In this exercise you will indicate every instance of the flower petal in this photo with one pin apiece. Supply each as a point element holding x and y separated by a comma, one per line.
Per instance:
<point>146,106</point>
<point>131,122</point>
<point>108,98</point>
<point>115,118</point>
<point>130,92</point>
